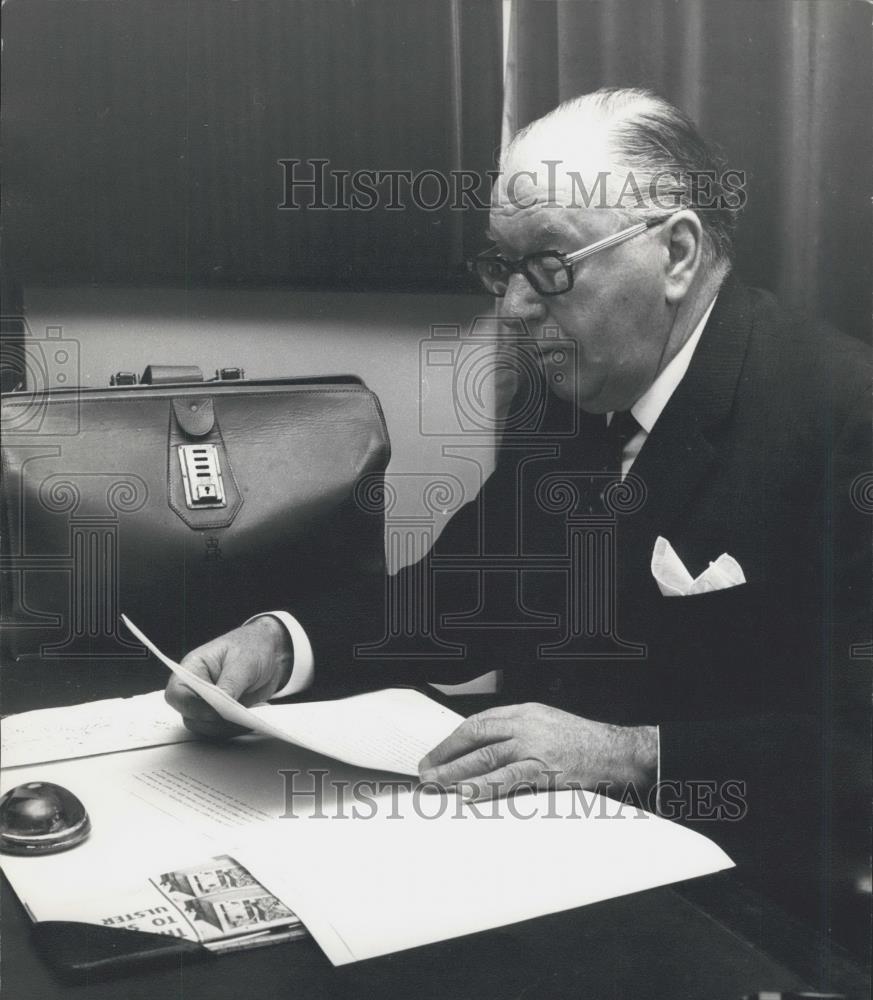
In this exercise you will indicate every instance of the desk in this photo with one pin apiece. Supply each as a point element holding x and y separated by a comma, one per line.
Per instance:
<point>656,945</point>
<point>711,939</point>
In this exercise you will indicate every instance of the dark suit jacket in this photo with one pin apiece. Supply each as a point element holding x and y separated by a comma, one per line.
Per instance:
<point>761,453</point>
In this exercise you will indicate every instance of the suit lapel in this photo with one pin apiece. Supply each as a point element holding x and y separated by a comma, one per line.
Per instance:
<point>682,447</point>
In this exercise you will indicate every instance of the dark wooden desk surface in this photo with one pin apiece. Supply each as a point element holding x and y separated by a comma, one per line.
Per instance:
<point>656,945</point>
<point>710,939</point>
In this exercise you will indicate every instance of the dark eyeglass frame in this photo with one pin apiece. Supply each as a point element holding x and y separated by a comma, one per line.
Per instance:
<point>567,260</point>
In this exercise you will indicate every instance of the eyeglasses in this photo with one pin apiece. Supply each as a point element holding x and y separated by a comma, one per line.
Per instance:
<point>549,272</point>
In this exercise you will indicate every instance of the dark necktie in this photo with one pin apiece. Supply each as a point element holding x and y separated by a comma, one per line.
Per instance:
<point>601,453</point>
<point>621,429</point>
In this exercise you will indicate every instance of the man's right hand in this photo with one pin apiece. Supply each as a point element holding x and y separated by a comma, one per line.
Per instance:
<point>250,663</point>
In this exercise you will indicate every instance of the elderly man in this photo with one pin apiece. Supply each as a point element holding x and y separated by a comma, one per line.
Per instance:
<point>744,431</point>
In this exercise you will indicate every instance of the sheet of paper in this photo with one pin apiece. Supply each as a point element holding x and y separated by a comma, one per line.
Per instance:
<point>376,885</point>
<point>388,730</point>
<point>96,727</point>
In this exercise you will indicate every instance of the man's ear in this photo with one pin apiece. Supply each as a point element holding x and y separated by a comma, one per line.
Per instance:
<point>683,234</point>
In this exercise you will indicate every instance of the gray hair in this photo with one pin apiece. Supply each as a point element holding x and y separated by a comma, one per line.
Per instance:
<point>658,144</point>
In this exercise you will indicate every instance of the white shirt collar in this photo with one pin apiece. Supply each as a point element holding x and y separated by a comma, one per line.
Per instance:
<point>650,405</point>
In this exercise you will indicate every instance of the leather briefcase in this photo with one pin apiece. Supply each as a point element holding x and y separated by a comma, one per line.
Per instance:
<point>189,505</point>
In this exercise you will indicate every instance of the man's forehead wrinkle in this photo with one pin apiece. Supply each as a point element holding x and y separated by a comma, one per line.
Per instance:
<point>519,231</point>
<point>551,229</point>
<point>528,203</point>
<point>548,217</point>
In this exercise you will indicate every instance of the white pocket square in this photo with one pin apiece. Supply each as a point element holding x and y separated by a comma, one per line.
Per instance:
<point>674,580</point>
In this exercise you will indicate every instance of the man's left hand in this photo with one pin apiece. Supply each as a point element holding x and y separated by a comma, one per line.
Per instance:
<point>537,746</point>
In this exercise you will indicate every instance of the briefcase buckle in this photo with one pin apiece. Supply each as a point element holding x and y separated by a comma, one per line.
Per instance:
<point>201,476</point>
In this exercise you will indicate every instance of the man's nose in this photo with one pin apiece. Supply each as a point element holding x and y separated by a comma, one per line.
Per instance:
<point>521,301</point>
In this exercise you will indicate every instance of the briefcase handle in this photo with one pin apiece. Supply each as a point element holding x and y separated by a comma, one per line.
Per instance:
<point>174,375</point>
<point>171,374</point>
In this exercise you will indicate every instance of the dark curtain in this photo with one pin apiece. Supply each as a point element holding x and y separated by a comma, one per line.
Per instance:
<point>784,88</point>
<point>143,139</point>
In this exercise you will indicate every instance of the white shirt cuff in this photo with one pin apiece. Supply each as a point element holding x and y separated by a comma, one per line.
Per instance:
<point>303,669</point>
